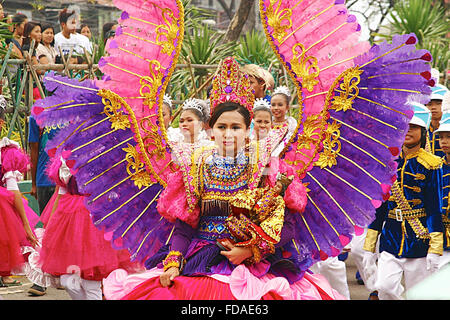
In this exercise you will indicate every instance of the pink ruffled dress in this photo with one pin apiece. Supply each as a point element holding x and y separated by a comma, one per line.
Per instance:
<point>13,163</point>
<point>71,243</point>
<point>207,275</point>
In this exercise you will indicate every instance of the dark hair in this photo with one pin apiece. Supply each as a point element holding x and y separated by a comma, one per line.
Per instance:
<point>64,15</point>
<point>29,26</point>
<point>84,25</point>
<point>107,27</point>
<point>286,98</point>
<point>203,115</point>
<point>261,108</point>
<point>226,107</point>
<point>46,26</point>
<point>18,18</point>
<point>423,137</point>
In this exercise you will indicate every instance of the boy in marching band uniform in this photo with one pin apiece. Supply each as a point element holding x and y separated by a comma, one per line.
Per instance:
<point>435,106</point>
<point>444,140</point>
<point>410,222</point>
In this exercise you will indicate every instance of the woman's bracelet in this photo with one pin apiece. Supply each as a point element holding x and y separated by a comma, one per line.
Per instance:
<point>174,259</point>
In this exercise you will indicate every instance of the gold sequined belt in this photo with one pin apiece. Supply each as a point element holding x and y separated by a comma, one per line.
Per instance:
<point>399,214</point>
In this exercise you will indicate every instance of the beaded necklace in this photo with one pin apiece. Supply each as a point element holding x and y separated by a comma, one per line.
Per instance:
<point>224,176</point>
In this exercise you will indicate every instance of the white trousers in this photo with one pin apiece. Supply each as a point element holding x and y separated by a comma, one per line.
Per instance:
<point>335,272</point>
<point>368,273</point>
<point>445,258</point>
<point>81,289</point>
<point>390,271</point>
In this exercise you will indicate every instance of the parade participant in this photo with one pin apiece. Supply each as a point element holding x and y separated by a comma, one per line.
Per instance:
<point>260,80</point>
<point>410,222</point>
<point>151,204</point>
<point>17,218</point>
<point>444,143</point>
<point>72,248</point>
<point>281,121</point>
<point>193,118</point>
<point>262,120</point>
<point>194,259</point>
<point>173,134</point>
<point>435,106</point>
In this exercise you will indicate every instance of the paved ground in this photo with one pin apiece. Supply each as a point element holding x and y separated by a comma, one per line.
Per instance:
<point>357,292</point>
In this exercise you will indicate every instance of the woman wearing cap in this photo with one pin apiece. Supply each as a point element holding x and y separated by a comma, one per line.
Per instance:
<point>409,221</point>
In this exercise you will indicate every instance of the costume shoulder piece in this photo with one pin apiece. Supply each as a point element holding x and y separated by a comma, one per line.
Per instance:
<point>429,160</point>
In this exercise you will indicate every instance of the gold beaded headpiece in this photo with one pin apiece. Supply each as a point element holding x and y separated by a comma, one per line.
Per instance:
<point>231,85</point>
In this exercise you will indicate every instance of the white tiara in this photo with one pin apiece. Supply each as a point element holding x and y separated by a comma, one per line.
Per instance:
<point>261,102</point>
<point>283,90</point>
<point>3,102</point>
<point>167,100</point>
<point>192,103</point>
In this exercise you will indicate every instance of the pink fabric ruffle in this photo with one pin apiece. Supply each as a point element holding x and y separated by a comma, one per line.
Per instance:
<point>242,284</point>
<point>14,159</point>
<point>46,213</point>
<point>72,244</point>
<point>12,234</point>
<point>172,203</point>
<point>52,171</point>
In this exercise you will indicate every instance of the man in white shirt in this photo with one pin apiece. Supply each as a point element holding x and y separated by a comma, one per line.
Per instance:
<point>68,38</point>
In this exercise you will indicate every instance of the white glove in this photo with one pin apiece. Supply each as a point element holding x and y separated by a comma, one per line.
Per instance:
<point>369,258</point>
<point>433,262</point>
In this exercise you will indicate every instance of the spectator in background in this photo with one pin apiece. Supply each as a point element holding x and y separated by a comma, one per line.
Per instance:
<point>86,31</point>
<point>18,21</point>
<point>2,12</point>
<point>46,47</point>
<point>68,38</point>
<point>31,31</point>
<point>109,30</point>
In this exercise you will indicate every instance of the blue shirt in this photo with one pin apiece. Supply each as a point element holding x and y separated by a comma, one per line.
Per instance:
<point>41,136</point>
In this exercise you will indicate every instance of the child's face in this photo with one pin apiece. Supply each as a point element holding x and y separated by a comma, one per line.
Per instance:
<point>258,86</point>
<point>435,106</point>
<point>444,141</point>
<point>190,125</point>
<point>413,136</point>
<point>166,115</point>
<point>279,107</point>
<point>262,123</point>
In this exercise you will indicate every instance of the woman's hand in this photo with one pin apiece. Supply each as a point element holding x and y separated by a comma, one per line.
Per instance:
<point>236,255</point>
<point>168,276</point>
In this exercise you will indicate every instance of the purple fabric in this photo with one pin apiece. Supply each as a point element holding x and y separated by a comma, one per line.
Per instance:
<point>354,203</point>
<point>97,167</point>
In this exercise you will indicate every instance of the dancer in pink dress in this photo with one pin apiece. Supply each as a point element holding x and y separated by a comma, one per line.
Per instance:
<point>17,219</point>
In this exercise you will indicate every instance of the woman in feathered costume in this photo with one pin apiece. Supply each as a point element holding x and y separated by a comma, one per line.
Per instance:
<point>230,221</point>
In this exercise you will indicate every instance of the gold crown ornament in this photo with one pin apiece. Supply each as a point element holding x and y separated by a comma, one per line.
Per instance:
<point>231,85</point>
